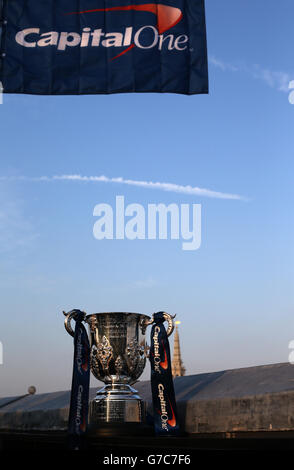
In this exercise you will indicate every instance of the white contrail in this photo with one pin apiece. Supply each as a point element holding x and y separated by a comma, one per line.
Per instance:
<point>275,79</point>
<point>171,187</point>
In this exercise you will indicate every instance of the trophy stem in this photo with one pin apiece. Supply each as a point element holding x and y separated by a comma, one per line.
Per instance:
<point>116,403</point>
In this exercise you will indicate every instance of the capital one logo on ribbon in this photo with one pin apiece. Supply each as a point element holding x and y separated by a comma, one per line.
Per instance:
<point>93,46</point>
<point>164,415</point>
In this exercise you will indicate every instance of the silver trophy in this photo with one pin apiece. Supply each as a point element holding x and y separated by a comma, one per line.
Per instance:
<point>117,358</point>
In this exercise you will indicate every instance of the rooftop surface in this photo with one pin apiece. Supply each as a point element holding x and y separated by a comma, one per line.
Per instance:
<point>234,383</point>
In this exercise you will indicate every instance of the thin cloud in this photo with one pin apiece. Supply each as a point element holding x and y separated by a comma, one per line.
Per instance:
<point>161,186</point>
<point>275,79</point>
<point>17,233</point>
<point>143,284</point>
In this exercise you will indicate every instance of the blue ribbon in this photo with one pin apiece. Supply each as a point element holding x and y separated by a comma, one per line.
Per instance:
<point>78,412</point>
<point>163,394</point>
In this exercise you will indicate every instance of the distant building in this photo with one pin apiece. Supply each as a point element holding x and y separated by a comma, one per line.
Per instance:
<point>178,369</point>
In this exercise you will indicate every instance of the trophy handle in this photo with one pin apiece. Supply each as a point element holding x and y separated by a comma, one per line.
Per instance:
<point>170,328</point>
<point>170,322</point>
<point>67,321</point>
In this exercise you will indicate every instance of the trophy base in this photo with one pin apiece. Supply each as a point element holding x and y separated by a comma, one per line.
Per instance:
<point>116,404</point>
<point>125,430</point>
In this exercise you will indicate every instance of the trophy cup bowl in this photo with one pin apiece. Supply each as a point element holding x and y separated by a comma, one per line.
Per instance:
<point>117,358</point>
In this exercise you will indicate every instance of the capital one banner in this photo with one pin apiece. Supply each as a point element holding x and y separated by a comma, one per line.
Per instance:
<point>103,46</point>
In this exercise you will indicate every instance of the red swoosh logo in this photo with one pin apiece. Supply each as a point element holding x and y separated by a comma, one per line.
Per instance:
<point>164,364</point>
<point>172,422</point>
<point>83,425</point>
<point>85,365</point>
<point>167,16</point>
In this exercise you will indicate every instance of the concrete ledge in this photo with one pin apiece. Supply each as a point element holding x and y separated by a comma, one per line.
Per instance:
<point>268,412</point>
<point>48,420</point>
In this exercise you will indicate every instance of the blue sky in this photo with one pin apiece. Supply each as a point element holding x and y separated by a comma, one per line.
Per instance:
<point>234,295</point>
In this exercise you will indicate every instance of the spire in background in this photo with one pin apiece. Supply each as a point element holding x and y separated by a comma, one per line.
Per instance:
<point>178,368</point>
